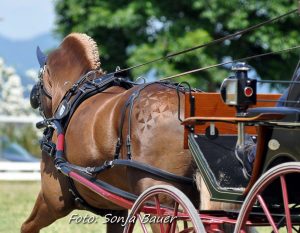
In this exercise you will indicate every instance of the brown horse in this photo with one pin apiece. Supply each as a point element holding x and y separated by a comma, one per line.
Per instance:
<point>91,136</point>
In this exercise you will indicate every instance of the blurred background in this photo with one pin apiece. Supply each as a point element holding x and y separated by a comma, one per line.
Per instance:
<point>23,26</point>
<point>130,33</point>
<point>133,32</point>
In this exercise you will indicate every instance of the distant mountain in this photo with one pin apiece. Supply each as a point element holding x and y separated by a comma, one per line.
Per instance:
<point>21,53</point>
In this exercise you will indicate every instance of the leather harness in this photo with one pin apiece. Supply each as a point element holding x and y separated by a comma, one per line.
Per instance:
<point>80,91</point>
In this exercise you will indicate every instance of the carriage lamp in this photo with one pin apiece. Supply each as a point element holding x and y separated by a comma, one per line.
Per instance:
<point>239,90</point>
<point>229,91</point>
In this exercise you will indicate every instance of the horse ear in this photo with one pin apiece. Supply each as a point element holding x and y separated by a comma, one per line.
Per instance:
<point>42,58</point>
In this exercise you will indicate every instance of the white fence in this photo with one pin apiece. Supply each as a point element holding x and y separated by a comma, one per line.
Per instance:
<point>20,119</point>
<point>20,171</point>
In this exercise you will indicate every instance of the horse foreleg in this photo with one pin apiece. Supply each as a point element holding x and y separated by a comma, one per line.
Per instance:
<point>53,202</point>
<point>41,216</point>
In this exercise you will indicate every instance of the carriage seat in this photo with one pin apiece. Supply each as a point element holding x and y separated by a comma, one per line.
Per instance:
<point>289,114</point>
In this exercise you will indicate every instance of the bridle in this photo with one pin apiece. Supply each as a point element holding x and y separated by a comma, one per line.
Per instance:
<point>38,91</point>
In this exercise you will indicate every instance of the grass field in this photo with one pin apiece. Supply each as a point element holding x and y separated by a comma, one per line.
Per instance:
<point>16,202</point>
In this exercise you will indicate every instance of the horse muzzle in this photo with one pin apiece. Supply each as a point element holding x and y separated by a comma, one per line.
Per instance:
<point>35,97</point>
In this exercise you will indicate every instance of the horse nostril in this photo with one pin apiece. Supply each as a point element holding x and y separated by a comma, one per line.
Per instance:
<point>34,97</point>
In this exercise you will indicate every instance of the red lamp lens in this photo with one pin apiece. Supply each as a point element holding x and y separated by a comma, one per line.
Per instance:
<point>248,91</point>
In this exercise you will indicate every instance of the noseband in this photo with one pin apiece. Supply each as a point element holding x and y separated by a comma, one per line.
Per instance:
<point>38,91</point>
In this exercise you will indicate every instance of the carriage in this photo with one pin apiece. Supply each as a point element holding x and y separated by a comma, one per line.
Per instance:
<point>216,124</point>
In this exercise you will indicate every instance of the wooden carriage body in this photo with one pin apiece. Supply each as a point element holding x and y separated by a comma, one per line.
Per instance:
<point>211,135</point>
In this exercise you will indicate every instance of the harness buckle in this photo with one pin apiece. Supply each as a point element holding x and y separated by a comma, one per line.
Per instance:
<point>89,170</point>
<point>49,148</point>
<point>109,164</point>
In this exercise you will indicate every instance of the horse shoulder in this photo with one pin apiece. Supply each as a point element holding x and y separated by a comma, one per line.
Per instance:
<point>91,130</point>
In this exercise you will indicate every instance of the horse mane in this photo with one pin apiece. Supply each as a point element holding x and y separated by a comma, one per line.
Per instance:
<point>83,48</point>
<point>76,55</point>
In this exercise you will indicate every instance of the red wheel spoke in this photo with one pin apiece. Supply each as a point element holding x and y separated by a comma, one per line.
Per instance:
<point>267,213</point>
<point>163,218</point>
<point>280,174</point>
<point>157,204</point>
<point>142,224</point>
<point>286,204</point>
<point>172,226</point>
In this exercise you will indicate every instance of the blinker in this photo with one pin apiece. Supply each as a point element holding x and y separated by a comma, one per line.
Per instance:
<point>34,97</point>
<point>42,58</point>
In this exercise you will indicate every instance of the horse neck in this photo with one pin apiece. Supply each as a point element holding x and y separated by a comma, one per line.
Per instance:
<point>64,82</point>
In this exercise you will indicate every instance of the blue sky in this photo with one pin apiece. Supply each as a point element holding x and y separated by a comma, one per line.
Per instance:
<point>24,19</point>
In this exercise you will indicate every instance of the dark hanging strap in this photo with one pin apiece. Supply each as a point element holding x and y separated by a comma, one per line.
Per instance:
<point>130,103</point>
<point>134,96</point>
<point>91,171</point>
<point>142,167</point>
<point>152,170</point>
<point>81,202</point>
<point>120,128</point>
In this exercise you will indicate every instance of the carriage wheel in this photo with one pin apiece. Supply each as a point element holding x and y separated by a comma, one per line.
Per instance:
<point>181,217</point>
<point>260,208</point>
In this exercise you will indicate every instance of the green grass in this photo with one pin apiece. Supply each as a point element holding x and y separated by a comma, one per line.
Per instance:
<point>16,202</point>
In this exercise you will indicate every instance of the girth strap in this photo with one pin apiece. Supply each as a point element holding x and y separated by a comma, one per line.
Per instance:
<point>152,170</point>
<point>82,203</point>
<point>110,188</point>
<point>133,164</point>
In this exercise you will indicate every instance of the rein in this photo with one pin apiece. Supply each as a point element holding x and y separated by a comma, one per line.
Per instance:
<point>213,42</point>
<point>230,62</point>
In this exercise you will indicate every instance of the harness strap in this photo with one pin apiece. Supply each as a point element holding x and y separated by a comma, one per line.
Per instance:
<point>91,170</point>
<point>134,97</point>
<point>82,203</point>
<point>130,102</point>
<point>60,163</point>
<point>120,130</point>
<point>134,164</point>
<point>72,101</point>
<point>152,170</point>
<point>110,188</point>
<point>87,91</point>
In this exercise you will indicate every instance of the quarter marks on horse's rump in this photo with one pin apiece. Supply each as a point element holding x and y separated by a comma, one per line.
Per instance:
<point>151,107</point>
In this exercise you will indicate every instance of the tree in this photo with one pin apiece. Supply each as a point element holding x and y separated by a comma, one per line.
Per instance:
<point>14,103</point>
<point>12,100</point>
<point>132,32</point>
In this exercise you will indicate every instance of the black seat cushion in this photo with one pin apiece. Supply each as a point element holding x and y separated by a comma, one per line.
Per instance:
<point>291,114</point>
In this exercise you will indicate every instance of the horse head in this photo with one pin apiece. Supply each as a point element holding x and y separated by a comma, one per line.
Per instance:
<point>77,55</point>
